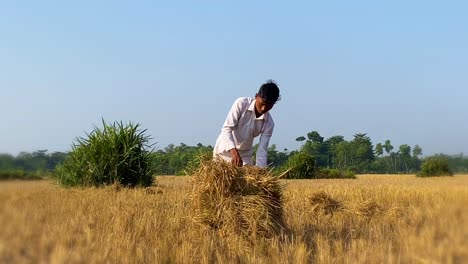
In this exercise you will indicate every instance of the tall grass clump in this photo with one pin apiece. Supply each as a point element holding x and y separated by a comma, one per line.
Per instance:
<point>435,166</point>
<point>245,201</point>
<point>115,154</point>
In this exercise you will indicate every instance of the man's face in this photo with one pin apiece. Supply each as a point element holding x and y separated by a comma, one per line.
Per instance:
<point>262,106</point>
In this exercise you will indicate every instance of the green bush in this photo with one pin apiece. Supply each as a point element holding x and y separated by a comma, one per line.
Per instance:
<point>324,173</point>
<point>17,175</point>
<point>114,154</point>
<point>301,166</point>
<point>435,166</point>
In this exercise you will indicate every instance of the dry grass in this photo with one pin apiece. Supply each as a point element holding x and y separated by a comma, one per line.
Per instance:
<point>374,219</point>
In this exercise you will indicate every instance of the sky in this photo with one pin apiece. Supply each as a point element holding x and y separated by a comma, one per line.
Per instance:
<point>395,70</point>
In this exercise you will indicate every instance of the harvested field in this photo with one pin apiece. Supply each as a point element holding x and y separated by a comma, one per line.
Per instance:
<point>373,219</point>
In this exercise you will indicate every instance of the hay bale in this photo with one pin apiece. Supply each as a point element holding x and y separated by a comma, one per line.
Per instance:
<point>243,200</point>
<point>371,209</point>
<point>321,201</point>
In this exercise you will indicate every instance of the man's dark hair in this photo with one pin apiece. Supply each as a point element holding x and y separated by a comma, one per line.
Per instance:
<point>269,92</point>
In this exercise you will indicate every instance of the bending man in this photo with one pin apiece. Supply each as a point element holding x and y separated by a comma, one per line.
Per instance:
<point>248,118</point>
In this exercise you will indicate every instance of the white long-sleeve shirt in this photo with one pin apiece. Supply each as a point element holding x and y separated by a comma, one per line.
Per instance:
<point>240,129</point>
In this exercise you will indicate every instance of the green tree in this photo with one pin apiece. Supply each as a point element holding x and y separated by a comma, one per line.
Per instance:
<point>342,155</point>
<point>405,156</point>
<point>315,146</point>
<point>315,137</point>
<point>300,139</point>
<point>331,145</point>
<point>159,161</point>
<point>388,149</point>
<point>56,158</point>
<point>276,158</point>
<point>7,162</point>
<point>179,160</point>
<point>417,151</point>
<point>362,152</point>
<point>379,149</point>
<point>334,140</point>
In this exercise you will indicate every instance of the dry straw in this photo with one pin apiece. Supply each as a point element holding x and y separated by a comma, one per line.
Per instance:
<point>240,200</point>
<point>328,205</point>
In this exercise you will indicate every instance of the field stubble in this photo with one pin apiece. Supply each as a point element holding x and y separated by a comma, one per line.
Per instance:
<point>373,219</point>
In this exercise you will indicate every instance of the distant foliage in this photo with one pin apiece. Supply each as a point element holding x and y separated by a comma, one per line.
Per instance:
<point>324,173</point>
<point>117,153</point>
<point>358,155</point>
<point>179,160</point>
<point>457,163</point>
<point>38,162</point>
<point>301,166</point>
<point>17,175</point>
<point>203,157</point>
<point>435,166</point>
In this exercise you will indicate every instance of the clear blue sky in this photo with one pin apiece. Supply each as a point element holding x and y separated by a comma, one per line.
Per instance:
<point>392,69</point>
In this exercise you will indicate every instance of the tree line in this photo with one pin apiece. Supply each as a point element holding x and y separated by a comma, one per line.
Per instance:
<point>37,161</point>
<point>30,166</point>
<point>359,155</point>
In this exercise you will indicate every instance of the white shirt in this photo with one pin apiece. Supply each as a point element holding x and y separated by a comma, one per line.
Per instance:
<point>240,129</point>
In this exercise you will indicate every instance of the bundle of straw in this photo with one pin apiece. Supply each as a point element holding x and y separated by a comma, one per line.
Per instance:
<point>323,202</point>
<point>244,200</point>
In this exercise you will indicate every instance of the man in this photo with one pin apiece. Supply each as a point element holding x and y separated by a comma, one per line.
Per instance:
<point>248,119</point>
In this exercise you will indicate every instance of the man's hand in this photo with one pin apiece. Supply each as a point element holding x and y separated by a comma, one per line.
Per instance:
<point>236,158</point>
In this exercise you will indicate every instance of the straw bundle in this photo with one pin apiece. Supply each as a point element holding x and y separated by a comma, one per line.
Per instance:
<point>243,200</point>
<point>323,202</point>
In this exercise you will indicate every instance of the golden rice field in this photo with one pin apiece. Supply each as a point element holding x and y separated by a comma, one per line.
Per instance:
<point>373,219</point>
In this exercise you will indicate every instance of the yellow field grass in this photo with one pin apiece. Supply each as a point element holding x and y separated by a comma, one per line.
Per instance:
<point>373,219</point>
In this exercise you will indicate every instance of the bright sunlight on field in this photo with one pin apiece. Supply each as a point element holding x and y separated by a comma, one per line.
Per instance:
<point>373,219</point>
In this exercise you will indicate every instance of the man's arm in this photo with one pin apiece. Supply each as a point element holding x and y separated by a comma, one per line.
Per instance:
<point>226,131</point>
<point>262,151</point>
